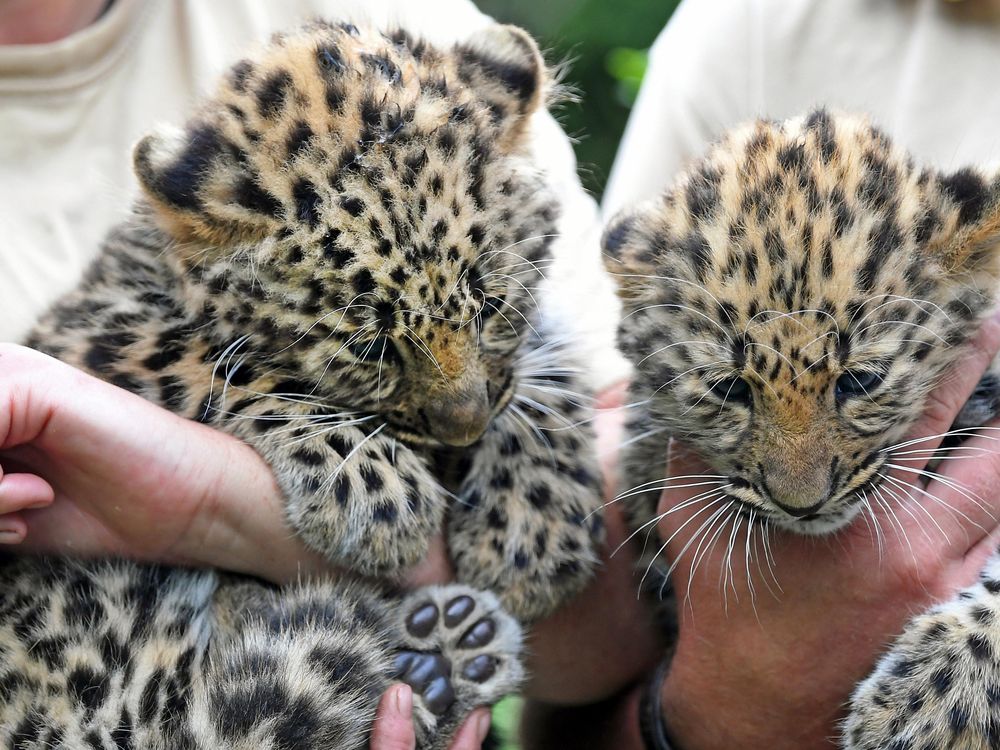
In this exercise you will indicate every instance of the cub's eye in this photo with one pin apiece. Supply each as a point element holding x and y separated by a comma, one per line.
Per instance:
<point>732,389</point>
<point>373,350</point>
<point>859,383</point>
<point>490,307</point>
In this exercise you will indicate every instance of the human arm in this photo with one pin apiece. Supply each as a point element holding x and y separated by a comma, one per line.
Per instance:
<point>776,670</point>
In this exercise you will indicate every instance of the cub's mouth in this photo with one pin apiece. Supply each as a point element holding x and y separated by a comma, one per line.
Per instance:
<point>838,510</point>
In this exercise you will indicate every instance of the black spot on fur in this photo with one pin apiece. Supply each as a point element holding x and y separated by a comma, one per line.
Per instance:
<point>820,123</point>
<point>703,193</point>
<point>329,59</point>
<point>178,184</point>
<point>249,195</point>
<point>353,206</point>
<point>240,74</point>
<point>519,80</point>
<point>299,139</point>
<point>969,191</point>
<point>307,202</point>
<point>272,93</point>
<point>383,66</point>
<point>617,235</point>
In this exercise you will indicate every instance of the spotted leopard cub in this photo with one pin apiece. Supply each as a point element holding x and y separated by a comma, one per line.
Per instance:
<point>336,259</point>
<point>789,303</point>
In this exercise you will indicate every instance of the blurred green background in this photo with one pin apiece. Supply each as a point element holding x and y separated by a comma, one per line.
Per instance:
<point>605,43</point>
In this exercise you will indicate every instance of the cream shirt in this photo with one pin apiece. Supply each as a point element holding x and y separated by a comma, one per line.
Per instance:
<point>70,112</point>
<point>926,70</point>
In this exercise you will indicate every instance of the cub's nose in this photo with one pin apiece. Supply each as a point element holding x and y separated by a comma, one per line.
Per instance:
<point>799,491</point>
<point>459,419</point>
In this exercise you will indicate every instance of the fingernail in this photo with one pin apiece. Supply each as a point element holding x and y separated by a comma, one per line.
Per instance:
<point>9,537</point>
<point>483,725</point>
<point>404,700</point>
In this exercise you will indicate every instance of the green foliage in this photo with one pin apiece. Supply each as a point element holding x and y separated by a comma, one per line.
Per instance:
<point>506,715</point>
<point>627,66</point>
<point>604,42</point>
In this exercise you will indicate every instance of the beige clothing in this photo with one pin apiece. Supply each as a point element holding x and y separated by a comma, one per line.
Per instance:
<point>70,112</point>
<point>926,70</point>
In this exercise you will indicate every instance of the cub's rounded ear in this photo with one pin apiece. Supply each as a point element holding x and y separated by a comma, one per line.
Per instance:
<point>960,226</point>
<point>629,256</point>
<point>505,68</point>
<point>202,187</point>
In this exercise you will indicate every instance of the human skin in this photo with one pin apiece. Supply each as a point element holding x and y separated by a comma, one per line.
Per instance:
<point>775,669</point>
<point>43,21</point>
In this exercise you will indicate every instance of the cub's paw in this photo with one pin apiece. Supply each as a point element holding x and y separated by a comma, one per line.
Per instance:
<point>536,543</point>
<point>458,650</point>
<point>939,685</point>
<point>372,513</point>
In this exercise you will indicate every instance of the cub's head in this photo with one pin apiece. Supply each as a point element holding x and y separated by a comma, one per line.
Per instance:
<point>358,204</point>
<point>792,299</point>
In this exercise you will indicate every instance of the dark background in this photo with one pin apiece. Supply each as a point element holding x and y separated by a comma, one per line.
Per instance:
<point>604,43</point>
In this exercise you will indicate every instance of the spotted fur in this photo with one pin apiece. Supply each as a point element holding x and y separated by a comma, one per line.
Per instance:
<point>789,303</point>
<point>335,260</point>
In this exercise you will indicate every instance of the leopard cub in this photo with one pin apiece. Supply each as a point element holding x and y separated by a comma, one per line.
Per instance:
<point>789,303</point>
<point>336,260</point>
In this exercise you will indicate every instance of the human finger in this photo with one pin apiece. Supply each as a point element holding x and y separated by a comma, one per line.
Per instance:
<point>472,733</point>
<point>13,529</point>
<point>24,492</point>
<point>947,399</point>
<point>393,728</point>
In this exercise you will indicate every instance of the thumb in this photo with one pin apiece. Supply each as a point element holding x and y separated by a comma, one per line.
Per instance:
<point>393,728</point>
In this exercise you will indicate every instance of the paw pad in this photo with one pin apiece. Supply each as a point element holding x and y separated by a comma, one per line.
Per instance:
<point>422,620</point>
<point>480,669</point>
<point>430,676</point>
<point>479,634</point>
<point>457,610</point>
<point>458,649</point>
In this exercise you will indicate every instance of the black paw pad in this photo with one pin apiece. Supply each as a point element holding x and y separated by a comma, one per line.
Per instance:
<point>422,620</point>
<point>428,675</point>
<point>439,695</point>
<point>457,610</point>
<point>479,634</point>
<point>480,669</point>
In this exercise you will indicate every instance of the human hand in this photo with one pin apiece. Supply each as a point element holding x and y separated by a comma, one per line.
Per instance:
<point>394,724</point>
<point>774,668</point>
<point>89,469</point>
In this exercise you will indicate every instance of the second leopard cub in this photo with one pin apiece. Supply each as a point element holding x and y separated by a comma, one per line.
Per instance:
<point>789,304</point>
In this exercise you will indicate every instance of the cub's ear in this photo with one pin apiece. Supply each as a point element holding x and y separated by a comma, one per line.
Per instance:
<point>961,229</point>
<point>504,67</point>
<point>629,257</point>
<point>202,187</point>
